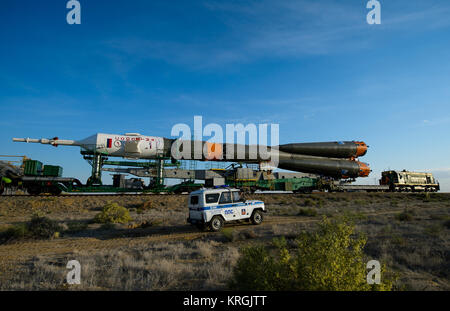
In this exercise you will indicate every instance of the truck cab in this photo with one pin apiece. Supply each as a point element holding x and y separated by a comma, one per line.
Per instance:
<point>212,208</point>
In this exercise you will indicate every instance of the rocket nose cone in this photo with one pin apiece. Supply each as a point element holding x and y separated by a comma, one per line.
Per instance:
<point>364,169</point>
<point>361,148</point>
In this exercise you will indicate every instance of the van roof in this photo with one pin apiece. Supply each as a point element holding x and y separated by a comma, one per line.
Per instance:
<point>213,190</point>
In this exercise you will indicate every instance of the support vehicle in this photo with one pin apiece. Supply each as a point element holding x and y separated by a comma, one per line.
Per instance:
<point>212,208</point>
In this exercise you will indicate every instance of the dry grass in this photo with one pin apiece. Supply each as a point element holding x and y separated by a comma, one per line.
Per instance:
<point>200,265</point>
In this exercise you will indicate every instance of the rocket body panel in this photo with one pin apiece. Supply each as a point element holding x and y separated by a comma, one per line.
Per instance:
<point>128,146</point>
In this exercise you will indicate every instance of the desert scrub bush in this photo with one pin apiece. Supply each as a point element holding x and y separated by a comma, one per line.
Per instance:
<point>247,234</point>
<point>37,228</point>
<point>360,202</point>
<point>394,203</point>
<point>15,232</point>
<point>310,212</point>
<point>398,239</point>
<point>144,207</point>
<point>447,224</point>
<point>43,227</point>
<point>331,258</point>
<point>309,202</point>
<point>433,230</point>
<point>320,203</point>
<point>229,234</point>
<point>406,215</point>
<point>113,213</point>
<point>146,224</point>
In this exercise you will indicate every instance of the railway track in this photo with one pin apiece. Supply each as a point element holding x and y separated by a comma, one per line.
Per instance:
<point>84,194</point>
<point>93,194</point>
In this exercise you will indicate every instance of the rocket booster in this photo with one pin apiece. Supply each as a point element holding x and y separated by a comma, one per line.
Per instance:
<point>342,149</point>
<point>335,159</point>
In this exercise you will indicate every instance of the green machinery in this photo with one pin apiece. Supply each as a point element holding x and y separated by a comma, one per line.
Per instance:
<point>250,178</point>
<point>36,168</point>
<point>303,184</point>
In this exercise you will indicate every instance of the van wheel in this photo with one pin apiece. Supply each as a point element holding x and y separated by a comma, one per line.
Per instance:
<point>256,218</point>
<point>216,223</point>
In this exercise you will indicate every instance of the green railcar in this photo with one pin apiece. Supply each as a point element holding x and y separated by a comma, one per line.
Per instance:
<point>32,168</point>
<point>52,171</point>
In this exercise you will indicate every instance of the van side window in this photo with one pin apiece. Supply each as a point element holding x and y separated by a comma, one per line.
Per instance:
<point>194,200</point>
<point>236,196</point>
<point>225,198</point>
<point>212,198</point>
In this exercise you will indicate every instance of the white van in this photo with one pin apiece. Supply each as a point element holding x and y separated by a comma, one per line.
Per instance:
<point>211,208</point>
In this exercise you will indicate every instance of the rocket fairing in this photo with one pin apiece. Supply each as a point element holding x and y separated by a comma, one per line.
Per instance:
<point>335,159</point>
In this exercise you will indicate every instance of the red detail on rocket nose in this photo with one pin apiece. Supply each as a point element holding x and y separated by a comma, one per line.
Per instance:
<point>55,144</point>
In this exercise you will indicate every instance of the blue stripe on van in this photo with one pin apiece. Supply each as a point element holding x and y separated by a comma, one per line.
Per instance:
<point>228,206</point>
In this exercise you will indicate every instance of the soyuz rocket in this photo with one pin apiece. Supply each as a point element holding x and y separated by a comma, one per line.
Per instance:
<point>333,159</point>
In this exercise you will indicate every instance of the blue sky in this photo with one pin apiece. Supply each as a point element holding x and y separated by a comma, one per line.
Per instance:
<point>314,67</point>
